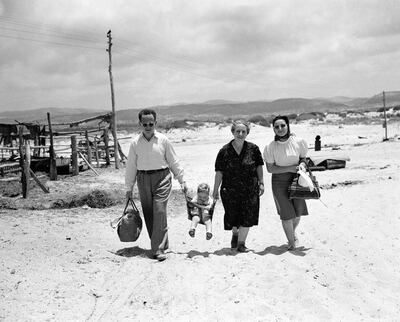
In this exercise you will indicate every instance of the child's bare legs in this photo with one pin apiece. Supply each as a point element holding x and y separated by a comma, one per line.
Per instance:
<point>195,221</point>
<point>208,229</point>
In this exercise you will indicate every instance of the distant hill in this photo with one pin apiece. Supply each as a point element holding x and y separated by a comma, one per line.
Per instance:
<point>350,101</point>
<point>211,110</point>
<point>392,99</point>
<point>216,102</point>
<point>226,110</point>
<point>58,115</point>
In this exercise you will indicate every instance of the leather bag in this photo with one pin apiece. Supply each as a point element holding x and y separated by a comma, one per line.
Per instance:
<point>130,224</point>
<point>296,191</point>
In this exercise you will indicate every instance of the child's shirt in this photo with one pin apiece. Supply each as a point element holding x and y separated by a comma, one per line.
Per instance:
<point>201,202</point>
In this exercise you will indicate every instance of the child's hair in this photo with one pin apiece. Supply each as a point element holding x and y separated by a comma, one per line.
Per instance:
<point>203,187</point>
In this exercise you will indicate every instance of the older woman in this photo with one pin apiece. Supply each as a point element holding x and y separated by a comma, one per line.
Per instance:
<point>239,171</point>
<point>283,157</point>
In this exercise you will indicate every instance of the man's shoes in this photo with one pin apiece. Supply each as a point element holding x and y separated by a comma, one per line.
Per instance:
<point>160,256</point>
<point>192,232</point>
<point>209,236</point>
<point>291,247</point>
<point>242,248</point>
<point>234,240</point>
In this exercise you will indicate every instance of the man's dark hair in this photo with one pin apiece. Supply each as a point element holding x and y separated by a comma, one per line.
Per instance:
<point>147,111</point>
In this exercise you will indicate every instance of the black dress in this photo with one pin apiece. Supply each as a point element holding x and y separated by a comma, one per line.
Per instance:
<point>239,188</point>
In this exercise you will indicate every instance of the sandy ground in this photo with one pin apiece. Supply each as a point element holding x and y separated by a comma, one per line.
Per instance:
<point>68,264</point>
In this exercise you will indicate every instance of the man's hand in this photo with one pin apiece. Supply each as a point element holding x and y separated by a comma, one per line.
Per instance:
<point>215,195</point>
<point>128,195</point>
<point>261,188</point>
<point>184,187</point>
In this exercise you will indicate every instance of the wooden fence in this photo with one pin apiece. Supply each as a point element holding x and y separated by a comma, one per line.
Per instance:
<point>72,150</point>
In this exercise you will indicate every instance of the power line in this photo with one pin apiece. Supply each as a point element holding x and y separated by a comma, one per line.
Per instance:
<point>48,34</point>
<point>7,20</point>
<point>51,42</point>
<point>178,64</point>
<point>44,30</point>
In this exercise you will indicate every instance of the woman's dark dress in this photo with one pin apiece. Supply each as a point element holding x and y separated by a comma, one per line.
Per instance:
<point>239,188</point>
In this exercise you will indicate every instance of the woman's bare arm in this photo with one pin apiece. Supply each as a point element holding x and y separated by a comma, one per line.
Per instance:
<point>273,168</point>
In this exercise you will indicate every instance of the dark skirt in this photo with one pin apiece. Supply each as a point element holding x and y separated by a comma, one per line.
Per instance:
<point>241,206</point>
<point>287,209</point>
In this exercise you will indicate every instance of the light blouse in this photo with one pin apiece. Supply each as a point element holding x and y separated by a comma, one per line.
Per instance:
<point>286,153</point>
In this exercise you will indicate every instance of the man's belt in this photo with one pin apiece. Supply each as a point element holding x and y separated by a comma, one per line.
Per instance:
<point>151,171</point>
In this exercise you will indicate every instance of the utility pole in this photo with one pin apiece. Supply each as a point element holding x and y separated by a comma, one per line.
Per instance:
<point>384,113</point>
<point>113,122</point>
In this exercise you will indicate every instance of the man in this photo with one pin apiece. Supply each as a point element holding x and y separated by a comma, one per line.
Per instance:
<point>150,160</point>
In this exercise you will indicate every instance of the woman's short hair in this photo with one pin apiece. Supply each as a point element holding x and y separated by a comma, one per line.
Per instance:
<point>147,111</point>
<point>240,122</point>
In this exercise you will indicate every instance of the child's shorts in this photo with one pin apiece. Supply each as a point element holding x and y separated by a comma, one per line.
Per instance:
<point>203,214</point>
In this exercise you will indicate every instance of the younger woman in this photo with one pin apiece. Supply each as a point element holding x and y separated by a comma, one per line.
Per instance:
<point>283,157</point>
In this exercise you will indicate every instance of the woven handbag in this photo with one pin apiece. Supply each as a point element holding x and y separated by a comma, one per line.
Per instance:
<point>296,191</point>
<point>129,225</point>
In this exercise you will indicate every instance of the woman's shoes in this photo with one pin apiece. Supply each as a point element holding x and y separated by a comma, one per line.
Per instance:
<point>192,232</point>
<point>242,248</point>
<point>234,240</point>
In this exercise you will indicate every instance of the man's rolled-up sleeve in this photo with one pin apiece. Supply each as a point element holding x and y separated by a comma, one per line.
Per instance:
<point>173,161</point>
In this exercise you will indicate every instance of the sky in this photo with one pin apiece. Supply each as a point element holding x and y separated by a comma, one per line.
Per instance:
<point>53,52</point>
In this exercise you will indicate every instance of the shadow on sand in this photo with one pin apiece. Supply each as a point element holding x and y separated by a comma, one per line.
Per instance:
<point>279,250</point>
<point>274,250</point>
<point>133,252</point>
<point>221,252</point>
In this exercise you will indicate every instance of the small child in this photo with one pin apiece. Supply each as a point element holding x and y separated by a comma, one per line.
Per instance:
<point>201,209</point>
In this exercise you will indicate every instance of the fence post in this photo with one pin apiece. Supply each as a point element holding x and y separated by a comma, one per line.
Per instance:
<point>96,152</point>
<point>36,152</point>
<point>88,148</point>
<point>27,166</point>
<point>74,156</point>
<point>23,161</point>
<point>53,165</point>
<point>106,147</point>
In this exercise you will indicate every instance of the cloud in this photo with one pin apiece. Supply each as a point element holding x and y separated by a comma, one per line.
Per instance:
<point>176,50</point>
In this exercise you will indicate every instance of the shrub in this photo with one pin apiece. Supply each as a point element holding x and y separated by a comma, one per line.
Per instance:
<point>177,124</point>
<point>94,199</point>
<point>259,119</point>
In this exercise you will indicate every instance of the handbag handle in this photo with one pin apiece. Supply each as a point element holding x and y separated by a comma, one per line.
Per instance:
<point>307,168</point>
<point>114,223</point>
